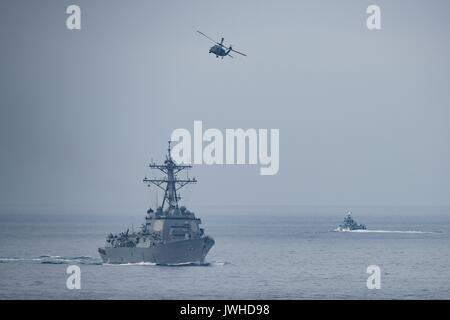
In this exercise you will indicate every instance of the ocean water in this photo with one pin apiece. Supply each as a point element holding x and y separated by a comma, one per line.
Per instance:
<point>284,252</point>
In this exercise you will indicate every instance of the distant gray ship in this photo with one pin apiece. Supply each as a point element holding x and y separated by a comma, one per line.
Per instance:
<point>349,224</point>
<point>170,235</point>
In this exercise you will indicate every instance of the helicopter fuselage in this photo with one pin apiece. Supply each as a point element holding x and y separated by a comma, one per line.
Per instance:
<point>218,51</point>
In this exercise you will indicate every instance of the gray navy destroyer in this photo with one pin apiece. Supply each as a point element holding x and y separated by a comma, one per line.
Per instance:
<point>170,234</point>
<point>349,224</point>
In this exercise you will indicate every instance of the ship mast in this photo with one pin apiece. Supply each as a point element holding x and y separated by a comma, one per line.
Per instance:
<point>170,183</point>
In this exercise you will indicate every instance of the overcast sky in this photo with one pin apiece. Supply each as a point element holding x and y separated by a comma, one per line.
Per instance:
<point>363,115</point>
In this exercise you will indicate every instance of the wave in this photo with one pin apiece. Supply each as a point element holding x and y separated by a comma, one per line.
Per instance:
<point>389,231</point>
<point>219,263</point>
<point>183,264</point>
<point>130,264</point>
<point>49,259</point>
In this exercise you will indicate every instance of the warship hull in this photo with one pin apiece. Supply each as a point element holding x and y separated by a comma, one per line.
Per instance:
<point>175,252</point>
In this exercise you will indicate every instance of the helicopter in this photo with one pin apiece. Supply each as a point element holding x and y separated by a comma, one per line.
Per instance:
<point>219,49</point>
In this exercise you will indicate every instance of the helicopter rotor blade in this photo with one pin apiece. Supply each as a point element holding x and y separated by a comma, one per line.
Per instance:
<point>237,52</point>
<point>211,39</point>
<point>230,48</point>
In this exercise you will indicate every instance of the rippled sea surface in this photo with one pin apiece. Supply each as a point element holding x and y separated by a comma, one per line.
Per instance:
<point>260,253</point>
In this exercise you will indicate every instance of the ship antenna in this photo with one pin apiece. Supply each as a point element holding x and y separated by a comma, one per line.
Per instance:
<point>169,150</point>
<point>170,183</point>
